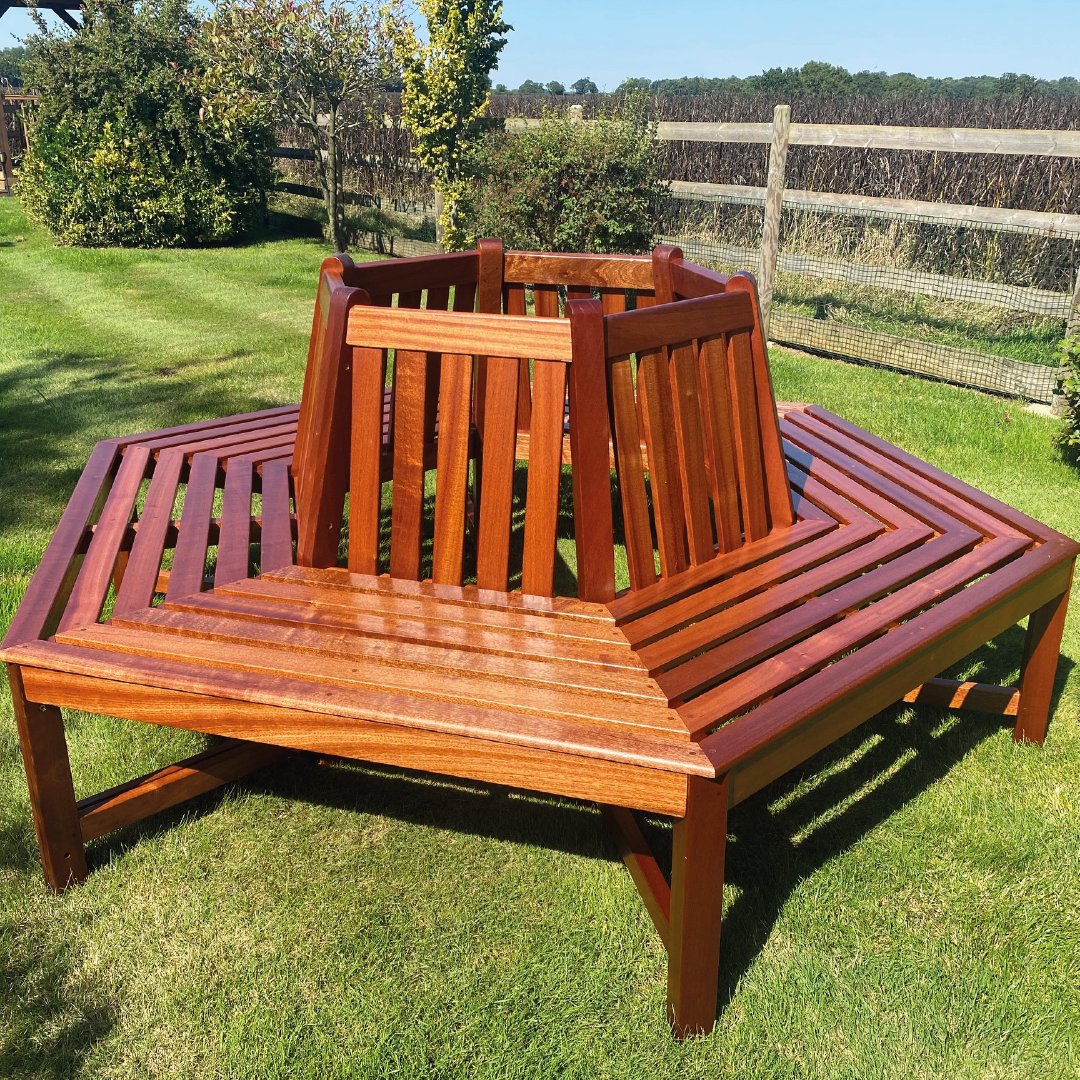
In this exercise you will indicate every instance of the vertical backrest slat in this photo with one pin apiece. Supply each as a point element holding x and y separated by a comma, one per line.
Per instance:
<point>410,438</point>
<point>589,440</point>
<point>455,395</point>
<point>748,436</point>
<point>691,449</point>
<point>500,435</point>
<point>719,432</point>
<point>489,298</point>
<point>630,470</point>
<point>514,304</point>
<point>365,464</point>
<point>781,511</point>
<point>545,470</point>
<point>654,395</point>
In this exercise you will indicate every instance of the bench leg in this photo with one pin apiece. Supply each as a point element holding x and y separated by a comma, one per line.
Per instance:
<point>52,795</point>
<point>697,900</point>
<point>1041,652</point>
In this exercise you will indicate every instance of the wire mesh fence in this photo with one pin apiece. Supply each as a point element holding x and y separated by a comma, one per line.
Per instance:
<point>961,301</point>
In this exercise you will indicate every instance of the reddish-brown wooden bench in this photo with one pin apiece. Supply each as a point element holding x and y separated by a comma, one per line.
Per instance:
<point>787,575</point>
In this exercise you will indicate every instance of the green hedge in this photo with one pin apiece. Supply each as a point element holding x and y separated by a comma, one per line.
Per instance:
<point>131,146</point>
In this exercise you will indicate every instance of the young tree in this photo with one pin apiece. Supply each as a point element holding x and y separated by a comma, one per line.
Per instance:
<point>446,92</point>
<point>584,86</point>
<point>317,64</point>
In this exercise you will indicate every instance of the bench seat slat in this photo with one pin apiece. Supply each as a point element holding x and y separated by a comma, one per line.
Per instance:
<point>261,657</point>
<point>276,526</point>
<point>144,562</point>
<point>580,632</point>
<point>455,632</point>
<point>88,594</point>
<point>189,558</point>
<point>856,631</point>
<point>248,621</point>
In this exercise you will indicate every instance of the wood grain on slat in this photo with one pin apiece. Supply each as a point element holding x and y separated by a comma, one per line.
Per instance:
<point>779,501</point>
<point>645,774</point>
<point>589,441</point>
<point>407,506</point>
<point>426,687</point>
<point>257,622</point>
<point>690,442</point>
<point>593,271</point>
<point>674,323</point>
<point>636,603</point>
<point>455,396</point>
<point>226,425</point>
<point>747,436</point>
<point>275,530</point>
<point>365,470</point>
<point>858,631</point>
<point>719,430</point>
<point>545,471</point>
<point>140,577</point>
<point>460,332</point>
<point>189,558</point>
<point>234,543</point>
<point>637,524</point>
<point>392,601</point>
<point>556,607</point>
<point>493,541</point>
<point>95,575</point>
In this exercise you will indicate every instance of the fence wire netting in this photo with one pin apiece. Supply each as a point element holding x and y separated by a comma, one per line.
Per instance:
<point>963,301</point>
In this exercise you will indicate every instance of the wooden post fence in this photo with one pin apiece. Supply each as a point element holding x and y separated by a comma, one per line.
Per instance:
<point>774,198</point>
<point>5,149</point>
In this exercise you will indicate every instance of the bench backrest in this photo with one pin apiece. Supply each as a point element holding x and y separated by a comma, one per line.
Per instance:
<point>659,371</point>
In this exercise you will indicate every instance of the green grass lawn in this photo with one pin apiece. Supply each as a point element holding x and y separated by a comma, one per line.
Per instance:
<point>906,905</point>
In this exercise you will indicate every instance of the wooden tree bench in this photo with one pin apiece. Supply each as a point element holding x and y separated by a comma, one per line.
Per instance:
<point>378,575</point>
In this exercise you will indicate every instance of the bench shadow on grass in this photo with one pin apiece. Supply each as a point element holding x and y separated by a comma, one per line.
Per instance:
<point>778,838</point>
<point>49,400</point>
<point>53,1017</point>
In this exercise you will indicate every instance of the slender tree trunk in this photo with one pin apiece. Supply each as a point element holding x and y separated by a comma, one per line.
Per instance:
<point>333,172</point>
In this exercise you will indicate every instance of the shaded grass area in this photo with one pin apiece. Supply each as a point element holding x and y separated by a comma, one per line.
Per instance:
<point>905,905</point>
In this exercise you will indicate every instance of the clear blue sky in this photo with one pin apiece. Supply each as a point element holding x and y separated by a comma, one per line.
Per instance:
<point>608,40</point>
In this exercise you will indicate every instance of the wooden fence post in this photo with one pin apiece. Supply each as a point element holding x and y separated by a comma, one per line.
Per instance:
<point>5,149</point>
<point>1072,327</point>
<point>774,197</point>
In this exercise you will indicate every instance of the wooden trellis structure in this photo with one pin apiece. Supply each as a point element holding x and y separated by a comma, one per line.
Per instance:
<point>63,11</point>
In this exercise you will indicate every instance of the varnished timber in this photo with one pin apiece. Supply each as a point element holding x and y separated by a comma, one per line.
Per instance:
<point>464,418</point>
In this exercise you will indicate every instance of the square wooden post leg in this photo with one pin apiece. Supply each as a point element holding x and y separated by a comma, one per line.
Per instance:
<point>1041,652</point>
<point>52,795</point>
<point>697,901</point>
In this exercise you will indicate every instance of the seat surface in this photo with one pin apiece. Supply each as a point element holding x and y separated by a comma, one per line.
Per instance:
<point>882,544</point>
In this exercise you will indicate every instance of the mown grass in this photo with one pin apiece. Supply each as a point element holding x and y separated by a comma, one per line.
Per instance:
<point>906,905</point>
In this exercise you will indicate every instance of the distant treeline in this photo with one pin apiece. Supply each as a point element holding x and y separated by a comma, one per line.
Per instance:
<point>818,79</point>
<point>11,64</point>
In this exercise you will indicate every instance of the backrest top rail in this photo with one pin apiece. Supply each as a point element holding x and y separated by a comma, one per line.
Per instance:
<point>460,332</point>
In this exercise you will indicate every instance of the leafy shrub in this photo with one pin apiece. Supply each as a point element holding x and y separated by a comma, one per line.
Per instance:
<point>1070,389</point>
<point>133,145</point>
<point>571,186</point>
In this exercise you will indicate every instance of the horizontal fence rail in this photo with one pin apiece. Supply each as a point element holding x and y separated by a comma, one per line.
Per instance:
<point>993,218</point>
<point>867,136</point>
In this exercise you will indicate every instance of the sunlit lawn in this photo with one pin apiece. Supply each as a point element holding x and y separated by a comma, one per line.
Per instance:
<point>907,905</point>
